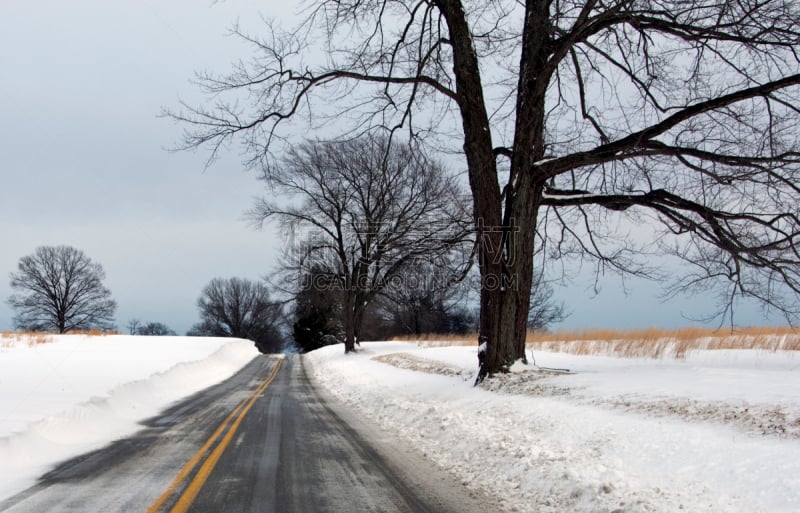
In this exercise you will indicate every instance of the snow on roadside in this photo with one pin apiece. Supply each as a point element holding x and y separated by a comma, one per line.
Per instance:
<point>558,442</point>
<point>78,393</point>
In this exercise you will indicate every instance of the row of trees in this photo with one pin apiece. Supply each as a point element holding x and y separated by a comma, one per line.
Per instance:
<point>380,243</point>
<point>60,289</point>
<point>150,329</point>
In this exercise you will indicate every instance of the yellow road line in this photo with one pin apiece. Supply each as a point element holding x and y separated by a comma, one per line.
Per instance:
<point>199,480</point>
<point>195,459</point>
<point>205,470</point>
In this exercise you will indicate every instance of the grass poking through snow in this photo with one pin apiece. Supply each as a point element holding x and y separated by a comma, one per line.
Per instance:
<point>10,339</point>
<point>645,343</point>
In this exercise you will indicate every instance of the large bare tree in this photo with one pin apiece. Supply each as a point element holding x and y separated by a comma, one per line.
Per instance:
<point>60,289</point>
<point>680,115</point>
<point>362,211</point>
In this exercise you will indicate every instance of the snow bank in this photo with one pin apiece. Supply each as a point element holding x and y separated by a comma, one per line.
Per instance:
<point>608,438</point>
<point>78,393</point>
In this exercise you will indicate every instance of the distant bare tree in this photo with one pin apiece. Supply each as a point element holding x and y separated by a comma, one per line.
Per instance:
<point>430,299</point>
<point>133,326</point>
<point>545,310</point>
<point>675,121</point>
<point>367,208</point>
<point>317,314</point>
<point>427,297</point>
<point>237,307</point>
<point>60,290</point>
<point>154,329</point>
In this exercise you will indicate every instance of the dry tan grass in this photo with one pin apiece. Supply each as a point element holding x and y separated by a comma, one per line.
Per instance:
<point>94,333</point>
<point>33,338</point>
<point>658,343</point>
<point>645,343</point>
<point>13,338</point>
<point>439,340</point>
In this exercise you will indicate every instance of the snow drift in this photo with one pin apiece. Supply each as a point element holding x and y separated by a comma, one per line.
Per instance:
<point>716,431</point>
<point>78,393</point>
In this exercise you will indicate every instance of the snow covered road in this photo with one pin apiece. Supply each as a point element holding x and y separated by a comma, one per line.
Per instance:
<point>262,440</point>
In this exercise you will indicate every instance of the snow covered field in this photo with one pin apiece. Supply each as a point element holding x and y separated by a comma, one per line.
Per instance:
<point>718,431</point>
<point>77,393</point>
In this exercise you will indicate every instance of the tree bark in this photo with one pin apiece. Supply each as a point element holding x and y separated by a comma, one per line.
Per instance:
<point>507,280</point>
<point>482,170</point>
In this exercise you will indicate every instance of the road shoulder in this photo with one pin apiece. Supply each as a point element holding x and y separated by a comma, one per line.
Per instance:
<point>429,482</point>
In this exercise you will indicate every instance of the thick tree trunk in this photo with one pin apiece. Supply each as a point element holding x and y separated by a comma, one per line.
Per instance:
<point>525,186</point>
<point>505,241</point>
<point>353,319</point>
<point>483,181</point>
<point>523,270</point>
<point>491,357</point>
<point>358,320</point>
<point>520,224</point>
<point>62,323</point>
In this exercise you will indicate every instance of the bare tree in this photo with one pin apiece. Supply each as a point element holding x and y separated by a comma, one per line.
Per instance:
<point>154,329</point>
<point>134,325</point>
<point>428,300</point>
<point>317,310</point>
<point>681,116</point>
<point>60,289</point>
<point>545,310</point>
<point>369,208</point>
<point>428,297</point>
<point>241,308</point>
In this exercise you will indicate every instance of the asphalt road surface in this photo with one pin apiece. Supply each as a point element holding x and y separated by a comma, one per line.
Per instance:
<point>263,441</point>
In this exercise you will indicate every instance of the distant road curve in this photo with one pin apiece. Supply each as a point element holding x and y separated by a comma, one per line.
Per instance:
<point>263,441</point>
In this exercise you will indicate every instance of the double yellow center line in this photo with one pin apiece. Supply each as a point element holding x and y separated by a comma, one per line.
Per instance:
<point>233,420</point>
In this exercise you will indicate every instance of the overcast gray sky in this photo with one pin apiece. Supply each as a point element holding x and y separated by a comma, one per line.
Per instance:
<point>82,159</point>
